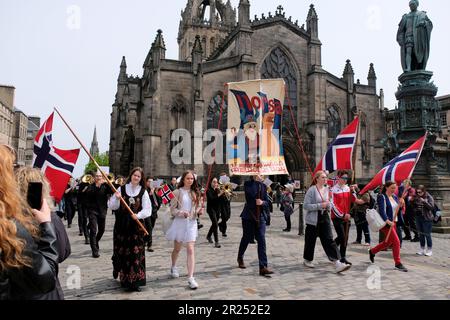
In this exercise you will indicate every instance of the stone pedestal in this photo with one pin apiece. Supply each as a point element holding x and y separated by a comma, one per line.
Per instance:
<point>418,112</point>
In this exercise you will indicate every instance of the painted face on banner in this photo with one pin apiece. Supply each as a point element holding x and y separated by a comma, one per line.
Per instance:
<point>250,131</point>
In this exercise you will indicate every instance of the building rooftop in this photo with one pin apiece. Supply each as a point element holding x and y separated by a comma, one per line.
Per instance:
<point>6,86</point>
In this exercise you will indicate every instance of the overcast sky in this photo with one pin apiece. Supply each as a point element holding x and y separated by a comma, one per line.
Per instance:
<point>67,53</point>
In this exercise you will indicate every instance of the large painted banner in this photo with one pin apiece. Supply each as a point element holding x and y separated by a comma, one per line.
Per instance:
<point>254,140</point>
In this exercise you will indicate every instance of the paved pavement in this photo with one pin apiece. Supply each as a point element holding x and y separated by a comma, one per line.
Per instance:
<point>219,278</point>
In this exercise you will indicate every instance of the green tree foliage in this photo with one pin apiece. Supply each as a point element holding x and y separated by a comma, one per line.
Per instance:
<point>102,160</point>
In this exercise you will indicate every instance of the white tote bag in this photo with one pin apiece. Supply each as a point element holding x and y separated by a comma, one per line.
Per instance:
<point>376,223</point>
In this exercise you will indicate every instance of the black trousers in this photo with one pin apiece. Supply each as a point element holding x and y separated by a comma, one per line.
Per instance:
<point>362,226</point>
<point>70,210</point>
<point>410,225</point>
<point>214,216</point>
<point>323,231</point>
<point>225,214</point>
<point>149,224</point>
<point>341,230</point>
<point>83,220</point>
<point>287,217</point>
<point>96,228</point>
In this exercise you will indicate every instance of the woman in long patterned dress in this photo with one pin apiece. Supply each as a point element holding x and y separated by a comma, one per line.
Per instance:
<point>129,244</point>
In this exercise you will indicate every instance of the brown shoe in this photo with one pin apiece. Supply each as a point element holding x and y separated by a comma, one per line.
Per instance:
<point>265,272</point>
<point>241,264</point>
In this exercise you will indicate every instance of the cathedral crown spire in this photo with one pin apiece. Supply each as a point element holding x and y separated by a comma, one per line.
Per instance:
<point>213,20</point>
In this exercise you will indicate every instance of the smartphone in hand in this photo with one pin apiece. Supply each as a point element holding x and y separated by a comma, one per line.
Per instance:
<point>34,195</point>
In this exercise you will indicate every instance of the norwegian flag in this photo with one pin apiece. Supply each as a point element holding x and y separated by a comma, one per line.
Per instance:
<point>340,153</point>
<point>400,168</point>
<point>56,164</point>
<point>166,194</point>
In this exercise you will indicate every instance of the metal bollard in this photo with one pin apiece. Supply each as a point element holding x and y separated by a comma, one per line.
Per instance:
<point>300,219</point>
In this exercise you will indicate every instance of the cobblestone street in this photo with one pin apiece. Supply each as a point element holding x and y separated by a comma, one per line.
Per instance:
<point>219,277</point>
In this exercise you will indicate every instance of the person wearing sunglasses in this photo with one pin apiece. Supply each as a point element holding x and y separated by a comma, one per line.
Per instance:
<point>342,197</point>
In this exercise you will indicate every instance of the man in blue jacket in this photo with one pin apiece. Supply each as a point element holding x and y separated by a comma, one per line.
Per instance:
<point>254,222</point>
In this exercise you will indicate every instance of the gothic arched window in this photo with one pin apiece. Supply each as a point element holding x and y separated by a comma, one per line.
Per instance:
<point>334,122</point>
<point>278,65</point>
<point>212,122</point>
<point>365,155</point>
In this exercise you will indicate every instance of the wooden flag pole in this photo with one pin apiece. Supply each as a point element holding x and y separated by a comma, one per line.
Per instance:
<point>133,216</point>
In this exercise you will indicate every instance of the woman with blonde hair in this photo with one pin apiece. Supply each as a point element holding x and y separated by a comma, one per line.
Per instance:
<point>317,205</point>
<point>185,207</point>
<point>28,254</point>
<point>25,176</point>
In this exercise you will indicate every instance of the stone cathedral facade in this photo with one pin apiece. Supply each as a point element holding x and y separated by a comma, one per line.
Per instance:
<point>227,45</point>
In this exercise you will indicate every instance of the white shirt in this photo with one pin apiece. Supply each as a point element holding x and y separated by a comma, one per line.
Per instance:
<point>114,203</point>
<point>394,206</point>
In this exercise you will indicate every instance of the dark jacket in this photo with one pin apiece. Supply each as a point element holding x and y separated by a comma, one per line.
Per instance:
<point>97,199</point>
<point>156,203</point>
<point>64,251</point>
<point>213,201</point>
<point>424,207</point>
<point>26,282</point>
<point>253,190</point>
<point>385,208</point>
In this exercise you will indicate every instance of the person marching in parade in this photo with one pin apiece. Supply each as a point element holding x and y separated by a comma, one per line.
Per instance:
<point>150,221</point>
<point>224,206</point>
<point>97,196</point>
<point>185,207</point>
<point>317,219</point>
<point>388,203</point>
<point>342,197</point>
<point>129,245</point>
<point>213,196</point>
<point>254,223</point>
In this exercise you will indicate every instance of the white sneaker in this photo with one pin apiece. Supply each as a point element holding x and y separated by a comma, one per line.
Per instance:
<point>421,252</point>
<point>174,272</point>
<point>341,267</point>
<point>192,283</point>
<point>308,264</point>
<point>429,253</point>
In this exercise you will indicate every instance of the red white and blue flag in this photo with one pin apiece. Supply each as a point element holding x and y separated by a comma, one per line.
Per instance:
<point>400,168</point>
<point>340,153</point>
<point>56,164</point>
<point>166,194</point>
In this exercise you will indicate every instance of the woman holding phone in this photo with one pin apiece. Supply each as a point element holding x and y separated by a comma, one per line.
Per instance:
<point>33,184</point>
<point>28,252</point>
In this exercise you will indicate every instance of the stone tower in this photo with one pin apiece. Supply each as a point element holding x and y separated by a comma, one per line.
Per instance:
<point>212,20</point>
<point>94,144</point>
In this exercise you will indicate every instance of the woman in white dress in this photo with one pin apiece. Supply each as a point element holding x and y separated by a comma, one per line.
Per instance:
<point>185,207</point>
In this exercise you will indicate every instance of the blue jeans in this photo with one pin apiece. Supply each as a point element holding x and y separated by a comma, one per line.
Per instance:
<point>252,231</point>
<point>424,228</point>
